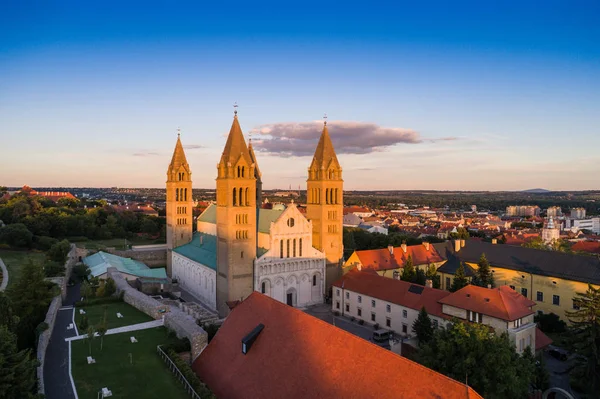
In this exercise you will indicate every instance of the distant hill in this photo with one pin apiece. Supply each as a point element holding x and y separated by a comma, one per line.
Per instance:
<point>537,191</point>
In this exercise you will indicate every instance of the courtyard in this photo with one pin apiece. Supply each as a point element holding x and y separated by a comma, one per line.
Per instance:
<point>129,370</point>
<point>95,314</point>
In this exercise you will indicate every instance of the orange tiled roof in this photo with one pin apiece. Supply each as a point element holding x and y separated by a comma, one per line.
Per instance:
<point>382,259</point>
<point>541,339</point>
<point>393,291</point>
<point>352,209</point>
<point>300,356</point>
<point>502,303</point>
<point>587,246</point>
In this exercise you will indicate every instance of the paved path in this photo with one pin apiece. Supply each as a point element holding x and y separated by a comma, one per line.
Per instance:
<point>57,381</point>
<point>133,327</point>
<point>4,282</point>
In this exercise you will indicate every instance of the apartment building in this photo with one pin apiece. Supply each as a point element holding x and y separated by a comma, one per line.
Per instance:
<point>523,210</point>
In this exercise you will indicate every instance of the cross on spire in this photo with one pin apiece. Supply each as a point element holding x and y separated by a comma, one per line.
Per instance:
<point>178,132</point>
<point>325,119</point>
<point>235,106</point>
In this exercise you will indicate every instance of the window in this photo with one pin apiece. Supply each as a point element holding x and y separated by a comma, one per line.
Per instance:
<point>521,342</point>
<point>359,312</point>
<point>347,295</point>
<point>575,305</point>
<point>337,305</point>
<point>540,296</point>
<point>372,316</point>
<point>337,292</point>
<point>294,253</point>
<point>517,323</point>
<point>347,308</point>
<point>290,222</point>
<point>556,300</point>
<point>281,249</point>
<point>512,287</point>
<point>288,248</point>
<point>404,314</point>
<point>300,248</point>
<point>242,255</point>
<point>388,308</point>
<point>524,292</point>
<point>263,288</point>
<point>447,283</point>
<point>474,317</point>
<point>372,303</point>
<point>234,197</point>
<point>404,328</point>
<point>388,322</point>
<point>315,281</point>
<point>359,299</point>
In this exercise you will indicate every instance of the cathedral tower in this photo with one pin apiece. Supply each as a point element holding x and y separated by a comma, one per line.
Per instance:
<point>179,202</point>
<point>325,204</point>
<point>236,220</point>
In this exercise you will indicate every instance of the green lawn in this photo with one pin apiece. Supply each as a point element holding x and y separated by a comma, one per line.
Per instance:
<point>95,313</point>
<point>147,376</point>
<point>14,259</point>
<point>118,243</point>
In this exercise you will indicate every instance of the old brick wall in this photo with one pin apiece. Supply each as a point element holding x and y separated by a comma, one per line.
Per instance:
<point>152,258</point>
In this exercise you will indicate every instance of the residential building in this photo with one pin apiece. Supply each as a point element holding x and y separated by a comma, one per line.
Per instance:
<point>575,225</point>
<point>577,213</point>
<point>554,211</point>
<point>523,210</point>
<point>360,211</point>
<point>390,261</point>
<point>266,349</point>
<point>549,278</point>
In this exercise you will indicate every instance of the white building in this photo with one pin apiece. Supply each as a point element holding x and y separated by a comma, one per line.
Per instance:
<point>578,213</point>
<point>554,211</point>
<point>550,232</point>
<point>575,225</point>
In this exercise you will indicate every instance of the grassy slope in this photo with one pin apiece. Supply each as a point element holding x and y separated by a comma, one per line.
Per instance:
<point>95,313</point>
<point>14,259</point>
<point>147,377</point>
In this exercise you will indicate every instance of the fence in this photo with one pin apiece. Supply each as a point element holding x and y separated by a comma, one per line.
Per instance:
<point>177,372</point>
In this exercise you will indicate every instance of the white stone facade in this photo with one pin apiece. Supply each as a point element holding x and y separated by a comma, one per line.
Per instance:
<point>196,278</point>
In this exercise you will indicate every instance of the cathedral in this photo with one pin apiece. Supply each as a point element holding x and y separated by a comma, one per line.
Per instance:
<point>239,247</point>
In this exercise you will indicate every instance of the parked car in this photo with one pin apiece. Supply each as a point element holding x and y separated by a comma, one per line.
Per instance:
<point>381,335</point>
<point>558,353</point>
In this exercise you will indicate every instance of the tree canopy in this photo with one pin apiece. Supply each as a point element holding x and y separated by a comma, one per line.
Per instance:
<point>423,327</point>
<point>460,280</point>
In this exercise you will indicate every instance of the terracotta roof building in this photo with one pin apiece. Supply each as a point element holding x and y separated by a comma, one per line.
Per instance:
<point>295,355</point>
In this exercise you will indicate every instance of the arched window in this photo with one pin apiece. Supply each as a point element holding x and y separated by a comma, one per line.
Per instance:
<point>290,222</point>
<point>281,249</point>
<point>294,253</point>
<point>182,175</point>
<point>300,248</point>
<point>263,287</point>
<point>314,280</point>
<point>246,194</point>
<point>288,248</point>
<point>234,197</point>
<point>242,255</point>
<point>238,170</point>
<point>243,170</point>
<point>185,194</point>
<point>241,199</point>
<point>176,194</point>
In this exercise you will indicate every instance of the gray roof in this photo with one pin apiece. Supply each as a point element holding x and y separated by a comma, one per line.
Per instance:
<point>265,217</point>
<point>582,268</point>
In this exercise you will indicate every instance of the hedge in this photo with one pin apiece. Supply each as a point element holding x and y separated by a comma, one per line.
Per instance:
<point>200,388</point>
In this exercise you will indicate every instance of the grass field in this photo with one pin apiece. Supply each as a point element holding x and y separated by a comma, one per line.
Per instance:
<point>118,243</point>
<point>14,259</point>
<point>146,376</point>
<point>95,313</point>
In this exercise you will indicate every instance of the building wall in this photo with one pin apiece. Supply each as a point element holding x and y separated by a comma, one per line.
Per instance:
<point>200,280</point>
<point>208,228</point>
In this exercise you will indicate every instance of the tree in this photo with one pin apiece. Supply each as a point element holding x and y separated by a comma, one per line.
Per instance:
<point>109,287</point>
<point>89,337</point>
<point>86,290</point>
<point>16,235</point>
<point>408,271</point>
<point>81,272</point>
<point>431,274</point>
<point>17,368</point>
<point>7,316</point>
<point>54,269</point>
<point>102,328</point>
<point>484,273</point>
<point>585,327</point>
<point>489,361</point>
<point>423,327</point>
<point>68,202</point>
<point>550,323</point>
<point>59,251</point>
<point>460,280</point>
<point>84,323</point>
<point>420,277</point>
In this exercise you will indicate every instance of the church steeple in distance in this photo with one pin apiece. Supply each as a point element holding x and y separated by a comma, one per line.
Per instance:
<point>325,204</point>
<point>236,219</point>
<point>179,201</point>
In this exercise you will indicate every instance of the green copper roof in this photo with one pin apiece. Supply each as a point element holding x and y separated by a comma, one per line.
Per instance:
<point>261,251</point>
<point>99,262</point>
<point>266,216</point>
<point>202,249</point>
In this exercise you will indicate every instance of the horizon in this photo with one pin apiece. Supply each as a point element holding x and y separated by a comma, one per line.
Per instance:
<point>466,97</point>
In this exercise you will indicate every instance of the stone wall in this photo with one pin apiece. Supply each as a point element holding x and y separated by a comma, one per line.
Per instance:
<point>155,257</point>
<point>183,324</point>
<point>44,339</point>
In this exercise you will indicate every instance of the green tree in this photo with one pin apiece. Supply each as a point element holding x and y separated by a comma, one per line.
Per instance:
<point>54,269</point>
<point>585,328</point>
<point>81,272</point>
<point>84,322</point>
<point>89,337</point>
<point>68,202</point>
<point>460,280</point>
<point>7,317</point>
<point>86,290</point>
<point>16,235</point>
<point>17,368</point>
<point>484,273</point>
<point>408,271</point>
<point>489,361</point>
<point>536,243</point>
<point>423,327</point>
<point>59,251</point>
<point>109,287</point>
<point>102,328</point>
<point>431,274</point>
<point>420,277</point>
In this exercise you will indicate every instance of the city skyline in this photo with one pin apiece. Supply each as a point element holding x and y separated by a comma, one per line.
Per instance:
<point>464,98</point>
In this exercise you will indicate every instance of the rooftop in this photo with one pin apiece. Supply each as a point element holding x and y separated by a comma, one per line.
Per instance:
<point>265,217</point>
<point>384,259</point>
<point>100,261</point>
<point>202,249</point>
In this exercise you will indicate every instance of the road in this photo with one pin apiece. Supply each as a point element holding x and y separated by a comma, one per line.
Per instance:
<point>57,382</point>
<point>558,372</point>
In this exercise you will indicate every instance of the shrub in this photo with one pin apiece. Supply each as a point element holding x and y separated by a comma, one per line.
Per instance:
<point>54,269</point>
<point>200,388</point>
<point>44,243</point>
<point>550,323</point>
<point>43,326</point>
<point>211,330</point>
<point>84,323</point>
<point>110,287</point>
<point>16,235</point>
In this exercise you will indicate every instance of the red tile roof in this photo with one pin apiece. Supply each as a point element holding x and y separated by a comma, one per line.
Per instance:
<point>353,209</point>
<point>300,356</point>
<point>541,339</point>
<point>587,246</point>
<point>382,259</point>
<point>393,291</point>
<point>502,303</point>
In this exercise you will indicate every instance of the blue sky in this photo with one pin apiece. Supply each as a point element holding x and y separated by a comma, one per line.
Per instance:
<point>444,95</point>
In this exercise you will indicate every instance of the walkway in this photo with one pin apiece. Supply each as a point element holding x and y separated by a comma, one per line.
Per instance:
<point>57,382</point>
<point>133,327</point>
<point>4,282</point>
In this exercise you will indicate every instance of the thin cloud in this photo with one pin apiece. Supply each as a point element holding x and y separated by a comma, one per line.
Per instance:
<point>193,146</point>
<point>435,140</point>
<point>146,154</point>
<point>300,138</point>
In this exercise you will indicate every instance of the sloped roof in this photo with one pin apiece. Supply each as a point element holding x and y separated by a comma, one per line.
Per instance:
<point>394,291</point>
<point>100,261</point>
<point>314,360</point>
<point>178,159</point>
<point>502,303</point>
<point>541,339</point>
<point>587,246</point>
<point>265,217</point>
<point>235,147</point>
<point>202,249</point>
<point>324,153</point>
<point>585,269</point>
<point>382,259</point>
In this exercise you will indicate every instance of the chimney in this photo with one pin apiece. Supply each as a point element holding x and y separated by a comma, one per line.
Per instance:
<point>456,245</point>
<point>489,286</point>
<point>462,243</point>
<point>429,283</point>
<point>391,249</point>
<point>201,239</point>
<point>426,245</point>
<point>404,247</point>
<point>494,241</point>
